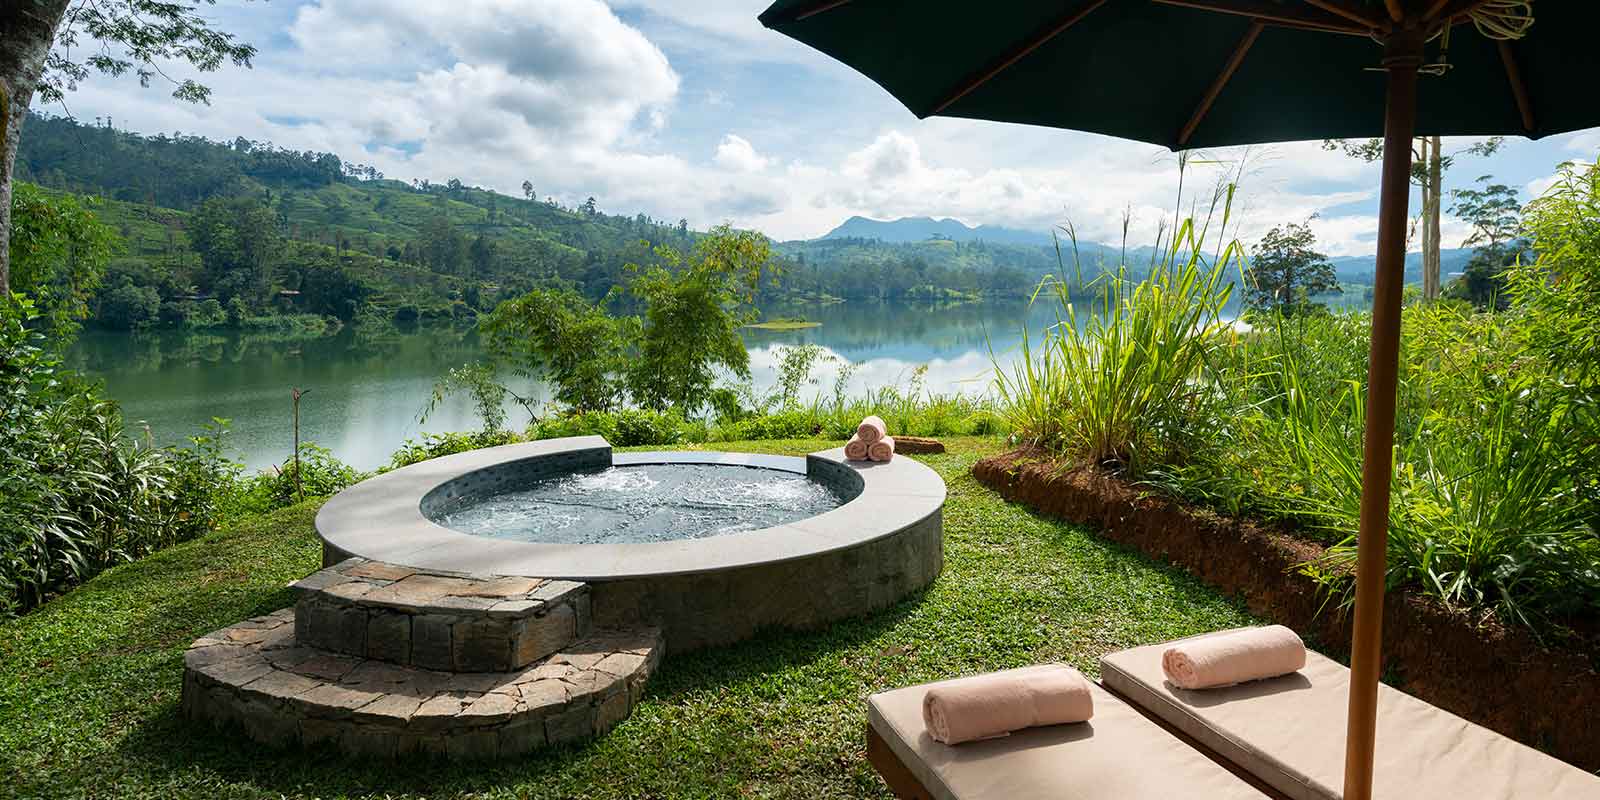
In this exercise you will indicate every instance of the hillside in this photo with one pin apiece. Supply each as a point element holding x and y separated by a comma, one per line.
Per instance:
<point>420,249</point>
<point>310,232</point>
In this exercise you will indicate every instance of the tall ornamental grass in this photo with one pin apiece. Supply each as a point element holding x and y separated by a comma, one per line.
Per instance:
<point>1495,501</point>
<point>1119,381</point>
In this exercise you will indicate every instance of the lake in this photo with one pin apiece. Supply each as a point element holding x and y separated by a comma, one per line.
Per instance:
<point>366,393</point>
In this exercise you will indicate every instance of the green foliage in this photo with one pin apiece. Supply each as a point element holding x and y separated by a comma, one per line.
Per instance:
<point>77,495</point>
<point>1493,211</point>
<point>694,306</point>
<point>237,239</point>
<point>58,250</point>
<point>1497,454</point>
<point>1286,270</point>
<point>1119,387</point>
<point>433,445</point>
<point>626,427</point>
<point>138,36</point>
<point>320,475</point>
<point>559,336</point>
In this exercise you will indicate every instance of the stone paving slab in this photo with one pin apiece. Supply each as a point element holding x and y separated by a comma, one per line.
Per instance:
<point>282,693</point>
<point>437,620</point>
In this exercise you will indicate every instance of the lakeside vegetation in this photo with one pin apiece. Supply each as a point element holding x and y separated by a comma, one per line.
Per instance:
<point>1496,493</point>
<point>784,324</point>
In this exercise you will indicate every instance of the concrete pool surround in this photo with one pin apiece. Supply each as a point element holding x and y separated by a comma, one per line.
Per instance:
<point>882,542</point>
<point>418,639</point>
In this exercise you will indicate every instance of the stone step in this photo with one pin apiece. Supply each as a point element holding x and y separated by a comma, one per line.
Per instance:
<point>257,676</point>
<point>438,620</point>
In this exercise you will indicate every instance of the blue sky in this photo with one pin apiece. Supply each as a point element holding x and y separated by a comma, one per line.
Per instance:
<point>693,110</point>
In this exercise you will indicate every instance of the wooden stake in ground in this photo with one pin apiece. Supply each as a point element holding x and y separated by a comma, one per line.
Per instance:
<point>299,491</point>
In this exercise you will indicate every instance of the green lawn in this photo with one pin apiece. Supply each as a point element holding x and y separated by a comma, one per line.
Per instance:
<point>89,684</point>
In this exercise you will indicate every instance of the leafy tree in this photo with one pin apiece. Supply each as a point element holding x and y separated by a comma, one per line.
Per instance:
<point>481,255</point>
<point>39,37</point>
<point>443,247</point>
<point>695,305</point>
<point>58,249</point>
<point>128,307</point>
<point>1428,165</point>
<point>560,336</point>
<point>1286,270</point>
<point>527,190</point>
<point>1493,211</point>
<point>238,242</point>
<point>328,288</point>
<point>589,208</point>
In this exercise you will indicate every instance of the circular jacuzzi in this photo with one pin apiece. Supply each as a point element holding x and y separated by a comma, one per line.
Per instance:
<point>710,546</point>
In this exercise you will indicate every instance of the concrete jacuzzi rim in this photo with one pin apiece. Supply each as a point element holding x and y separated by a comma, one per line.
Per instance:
<point>381,518</point>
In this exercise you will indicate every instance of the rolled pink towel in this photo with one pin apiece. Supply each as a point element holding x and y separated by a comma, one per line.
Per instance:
<point>856,450</point>
<point>1229,658</point>
<point>872,429</point>
<point>881,450</point>
<point>986,706</point>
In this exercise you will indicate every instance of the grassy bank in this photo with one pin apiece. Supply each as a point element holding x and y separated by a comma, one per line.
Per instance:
<point>89,683</point>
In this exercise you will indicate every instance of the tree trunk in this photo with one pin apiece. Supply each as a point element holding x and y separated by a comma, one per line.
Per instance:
<point>1429,277</point>
<point>1435,203</point>
<point>27,29</point>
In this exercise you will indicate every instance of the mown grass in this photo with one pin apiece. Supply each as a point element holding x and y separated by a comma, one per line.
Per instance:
<point>89,683</point>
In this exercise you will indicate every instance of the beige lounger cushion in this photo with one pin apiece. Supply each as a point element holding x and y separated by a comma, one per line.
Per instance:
<point>1290,732</point>
<point>1118,755</point>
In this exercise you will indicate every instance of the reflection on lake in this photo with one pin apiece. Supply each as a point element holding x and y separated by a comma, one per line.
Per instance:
<point>366,392</point>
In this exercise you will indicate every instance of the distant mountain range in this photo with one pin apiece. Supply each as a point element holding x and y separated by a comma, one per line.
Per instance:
<point>911,230</point>
<point>918,229</point>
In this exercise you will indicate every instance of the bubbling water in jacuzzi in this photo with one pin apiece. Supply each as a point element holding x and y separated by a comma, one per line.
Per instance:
<point>644,503</point>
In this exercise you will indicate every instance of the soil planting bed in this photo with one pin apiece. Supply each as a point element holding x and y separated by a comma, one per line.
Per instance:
<point>1493,674</point>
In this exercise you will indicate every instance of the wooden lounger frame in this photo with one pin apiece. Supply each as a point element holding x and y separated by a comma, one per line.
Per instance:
<point>905,785</point>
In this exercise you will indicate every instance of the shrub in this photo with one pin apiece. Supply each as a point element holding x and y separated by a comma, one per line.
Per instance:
<point>434,445</point>
<point>76,494</point>
<point>320,475</point>
<point>629,427</point>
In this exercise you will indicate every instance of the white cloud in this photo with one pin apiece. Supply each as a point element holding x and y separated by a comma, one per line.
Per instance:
<point>735,153</point>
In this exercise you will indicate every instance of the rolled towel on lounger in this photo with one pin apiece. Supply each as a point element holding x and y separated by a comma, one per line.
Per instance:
<point>856,450</point>
<point>872,429</point>
<point>986,706</point>
<point>881,450</point>
<point>1229,658</point>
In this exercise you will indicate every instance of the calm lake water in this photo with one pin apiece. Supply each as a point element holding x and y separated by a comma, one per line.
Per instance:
<point>366,393</point>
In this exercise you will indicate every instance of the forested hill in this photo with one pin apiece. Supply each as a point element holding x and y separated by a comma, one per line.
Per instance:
<point>284,230</point>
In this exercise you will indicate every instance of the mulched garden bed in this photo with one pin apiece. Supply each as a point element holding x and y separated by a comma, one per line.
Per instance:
<point>1499,676</point>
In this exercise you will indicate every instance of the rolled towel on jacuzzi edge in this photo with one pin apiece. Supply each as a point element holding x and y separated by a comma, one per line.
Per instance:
<point>995,704</point>
<point>856,450</point>
<point>1229,658</point>
<point>881,450</point>
<point>872,429</point>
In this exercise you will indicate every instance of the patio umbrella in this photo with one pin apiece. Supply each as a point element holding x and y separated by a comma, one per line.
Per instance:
<point>1197,73</point>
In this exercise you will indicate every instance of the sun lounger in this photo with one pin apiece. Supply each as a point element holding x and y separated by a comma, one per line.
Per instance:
<point>1290,732</point>
<point>1117,755</point>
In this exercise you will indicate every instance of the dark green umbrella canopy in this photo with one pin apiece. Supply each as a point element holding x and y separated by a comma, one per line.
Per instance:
<point>1140,69</point>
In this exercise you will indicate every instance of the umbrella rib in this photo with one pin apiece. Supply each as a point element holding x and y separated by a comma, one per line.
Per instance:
<point>1221,81</point>
<point>1334,7</point>
<point>1015,54</point>
<point>1519,90</point>
<point>814,9</point>
<point>1276,14</point>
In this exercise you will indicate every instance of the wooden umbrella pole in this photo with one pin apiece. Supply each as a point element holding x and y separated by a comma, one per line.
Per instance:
<point>1402,56</point>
